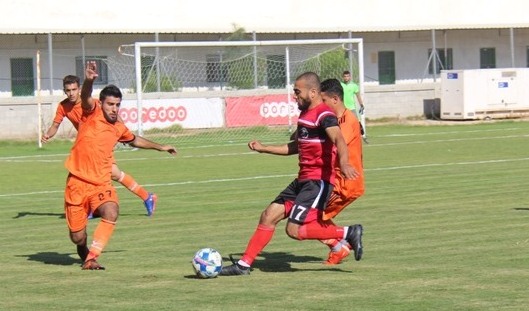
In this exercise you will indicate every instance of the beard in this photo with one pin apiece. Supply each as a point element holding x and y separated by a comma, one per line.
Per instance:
<point>303,104</point>
<point>109,118</point>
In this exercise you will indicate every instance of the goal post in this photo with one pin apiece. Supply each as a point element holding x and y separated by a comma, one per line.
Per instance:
<point>214,85</point>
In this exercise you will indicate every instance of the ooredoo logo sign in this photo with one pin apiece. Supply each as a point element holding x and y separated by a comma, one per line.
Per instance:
<point>278,109</point>
<point>260,110</point>
<point>154,114</point>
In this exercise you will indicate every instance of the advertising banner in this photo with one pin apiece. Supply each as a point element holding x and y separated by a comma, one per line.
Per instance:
<point>189,113</point>
<point>261,110</point>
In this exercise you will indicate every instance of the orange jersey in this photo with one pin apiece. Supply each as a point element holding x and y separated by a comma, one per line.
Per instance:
<point>72,111</point>
<point>91,156</point>
<point>347,190</point>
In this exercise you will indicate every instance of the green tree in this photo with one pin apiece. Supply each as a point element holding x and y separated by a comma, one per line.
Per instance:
<point>329,64</point>
<point>239,61</point>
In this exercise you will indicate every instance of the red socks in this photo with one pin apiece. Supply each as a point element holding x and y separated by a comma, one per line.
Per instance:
<point>318,231</point>
<point>258,242</point>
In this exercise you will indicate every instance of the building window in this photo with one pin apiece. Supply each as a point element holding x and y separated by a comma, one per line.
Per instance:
<point>443,59</point>
<point>386,67</point>
<point>487,58</point>
<point>216,70</point>
<point>22,78</point>
<point>102,68</point>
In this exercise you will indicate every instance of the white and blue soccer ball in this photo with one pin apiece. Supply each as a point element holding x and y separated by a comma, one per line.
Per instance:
<point>207,263</point>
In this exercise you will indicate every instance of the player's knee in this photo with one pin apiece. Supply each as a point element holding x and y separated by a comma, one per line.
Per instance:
<point>272,215</point>
<point>109,211</point>
<point>78,238</point>
<point>292,231</point>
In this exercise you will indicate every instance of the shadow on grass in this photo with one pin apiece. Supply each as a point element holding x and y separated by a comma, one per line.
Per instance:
<point>281,262</point>
<point>521,208</point>
<point>24,214</point>
<point>61,215</point>
<point>58,259</point>
<point>53,258</point>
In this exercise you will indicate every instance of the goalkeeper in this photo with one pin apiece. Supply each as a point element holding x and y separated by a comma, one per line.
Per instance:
<point>351,96</point>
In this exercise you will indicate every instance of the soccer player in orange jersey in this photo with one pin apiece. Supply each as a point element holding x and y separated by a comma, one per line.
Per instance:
<point>89,188</point>
<point>345,191</point>
<point>70,108</point>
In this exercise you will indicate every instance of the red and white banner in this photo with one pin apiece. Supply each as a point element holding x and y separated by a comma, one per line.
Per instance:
<point>162,113</point>
<point>261,110</point>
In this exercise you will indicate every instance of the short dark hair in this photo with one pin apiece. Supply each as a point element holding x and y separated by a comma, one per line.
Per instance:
<point>311,78</point>
<point>70,79</point>
<point>346,72</point>
<point>110,90</point>
<point>332,87</point>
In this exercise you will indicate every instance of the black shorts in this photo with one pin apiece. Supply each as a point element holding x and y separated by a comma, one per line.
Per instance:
<point>305,195</point>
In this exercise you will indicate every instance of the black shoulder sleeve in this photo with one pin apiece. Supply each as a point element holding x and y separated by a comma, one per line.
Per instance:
<point>329,121</point>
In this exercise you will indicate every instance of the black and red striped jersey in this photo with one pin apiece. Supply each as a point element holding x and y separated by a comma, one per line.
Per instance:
<point>317,152</point>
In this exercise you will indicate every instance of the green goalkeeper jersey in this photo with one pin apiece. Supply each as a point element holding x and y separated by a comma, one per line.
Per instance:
<point>349,94</point>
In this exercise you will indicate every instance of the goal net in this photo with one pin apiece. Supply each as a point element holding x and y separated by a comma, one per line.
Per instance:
<point>211,93</point>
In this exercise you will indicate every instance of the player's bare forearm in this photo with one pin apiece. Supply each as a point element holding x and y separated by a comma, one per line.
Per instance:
<point>286,149</point>
<point>50,132</point>
<point>360,101</point>
<point>143,143</point>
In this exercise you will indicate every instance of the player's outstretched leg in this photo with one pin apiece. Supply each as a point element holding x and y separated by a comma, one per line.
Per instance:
<point>148,198</point>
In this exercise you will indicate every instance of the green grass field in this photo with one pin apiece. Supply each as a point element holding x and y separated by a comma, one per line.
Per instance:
<point>445,213</point>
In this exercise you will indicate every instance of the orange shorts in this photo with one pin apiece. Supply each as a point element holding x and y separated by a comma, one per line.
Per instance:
<point>82,198</point>
<point>345,192</point>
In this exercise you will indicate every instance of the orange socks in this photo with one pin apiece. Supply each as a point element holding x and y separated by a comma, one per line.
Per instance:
<point>132,185</point>
<point>102,234</point>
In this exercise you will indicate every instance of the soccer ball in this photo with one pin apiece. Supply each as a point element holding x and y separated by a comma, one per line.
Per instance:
<point>207,263</point>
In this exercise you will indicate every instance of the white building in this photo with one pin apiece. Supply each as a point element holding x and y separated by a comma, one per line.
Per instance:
<point>42,41</point>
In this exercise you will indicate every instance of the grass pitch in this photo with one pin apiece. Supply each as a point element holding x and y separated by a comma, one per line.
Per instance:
<point>445,215</point>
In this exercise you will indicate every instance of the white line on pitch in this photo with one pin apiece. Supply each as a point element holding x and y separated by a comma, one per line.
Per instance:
<point>282,176</point>
<point>449,132</point>
<point>21,158</point>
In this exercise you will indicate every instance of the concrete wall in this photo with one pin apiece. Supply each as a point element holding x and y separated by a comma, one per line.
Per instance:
<point>19,116</point>
<point>399,100</point>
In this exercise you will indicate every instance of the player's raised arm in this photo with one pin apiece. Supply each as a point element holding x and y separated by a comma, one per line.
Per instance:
<point>91,74</point>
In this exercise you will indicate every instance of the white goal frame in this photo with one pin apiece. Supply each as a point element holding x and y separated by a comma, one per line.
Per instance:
<point>346,43</point>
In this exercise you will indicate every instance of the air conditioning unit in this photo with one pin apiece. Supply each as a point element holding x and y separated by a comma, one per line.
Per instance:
<point>484,93</point>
